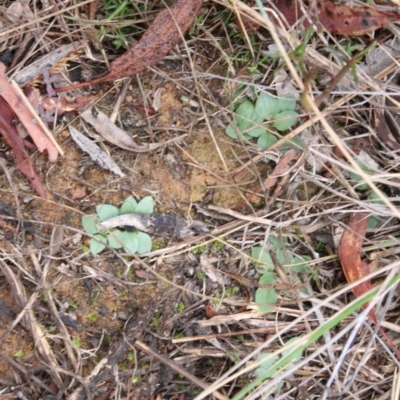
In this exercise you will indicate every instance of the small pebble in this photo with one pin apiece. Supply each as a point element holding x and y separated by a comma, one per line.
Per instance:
<point>122,316</point>
<point>103,311</point>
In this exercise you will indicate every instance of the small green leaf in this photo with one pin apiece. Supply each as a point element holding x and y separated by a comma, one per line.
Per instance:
<point>295,351</point>
<point>287,351</point>
<point>144,242</point>
<point>293,143</point>
<point>268,278</point>
<point>373,223</point>
<point>256,132</point>
<point>268,369</point>
<point>128,206</point>
<point>19,354</point>
<point>246,116</point>
<point>145,206</point>
<point>282,256</point>
<point>106,211</point>
<point>361,186</point>
<point>267,106</point>
<point>299,263</point>
<point>230,131</point>
<point>97,244</point>
<point>266,140</point>
<point>300,50</point>
<point>115,239</point>
<point>265,299</point>
<point>77,341</point>
<point>375,199</point>
<point>287,103</point>
<point>276,243</point>
<point>284,120</point>
<point>130,242</point>
<point>357,178</point>
<point>263,258</point>
<point>89,224</point>
<point>265,369</point>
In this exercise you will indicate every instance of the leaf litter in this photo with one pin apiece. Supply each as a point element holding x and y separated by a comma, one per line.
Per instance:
<point>293,217</point>
<point>336,18</point>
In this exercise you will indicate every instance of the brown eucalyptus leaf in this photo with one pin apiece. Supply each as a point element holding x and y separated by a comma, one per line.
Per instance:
<point>14,140</point>
<point>162,35</point>
<point>20,105</point>
<point>349,252</point>
<point>337,18</point>
<point>354,268</point>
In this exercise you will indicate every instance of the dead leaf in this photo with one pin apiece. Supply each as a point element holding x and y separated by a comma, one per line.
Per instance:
<point>14,140</point>
<point>163,34</point>
<point>48,107</point>
<point>78,192</point>
<point>281,168</point>
<point>143,274</point>
<point>354,268</point>
<point>337,18</point>
<point>20,105</point>
<point>95,152</point>
<point>349,252</point>
<point>63,105</point>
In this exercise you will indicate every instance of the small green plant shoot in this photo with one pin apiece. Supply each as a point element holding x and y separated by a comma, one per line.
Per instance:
<point>362,186</point>
<point>375,199</point>
<point>357,178</point>
<point>293,264</point>
<point>119,11</point>
<point>268,368</point>
<point>19,354</point>
<point>131,242</point>
<point>250,118</point>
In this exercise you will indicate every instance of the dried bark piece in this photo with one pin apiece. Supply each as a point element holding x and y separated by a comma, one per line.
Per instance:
<point>337,18</point>
<point>163,34</point>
